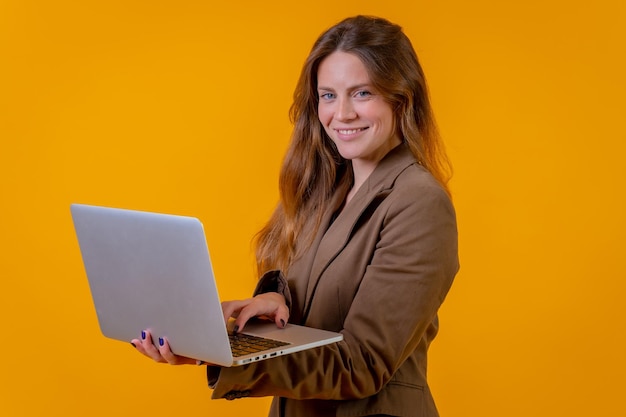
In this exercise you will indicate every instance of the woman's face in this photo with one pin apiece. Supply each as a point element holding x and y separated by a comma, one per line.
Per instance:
<point>354,114</point>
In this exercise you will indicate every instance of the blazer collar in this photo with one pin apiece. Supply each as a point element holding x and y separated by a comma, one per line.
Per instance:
<point>335,237</point>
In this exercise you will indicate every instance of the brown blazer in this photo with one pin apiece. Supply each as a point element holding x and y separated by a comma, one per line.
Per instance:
<point>378,273</point>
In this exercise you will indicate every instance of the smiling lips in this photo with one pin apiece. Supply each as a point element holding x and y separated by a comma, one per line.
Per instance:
<point>349,131</point>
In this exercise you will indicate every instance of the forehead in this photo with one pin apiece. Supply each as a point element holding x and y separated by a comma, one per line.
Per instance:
<point>342,70</point>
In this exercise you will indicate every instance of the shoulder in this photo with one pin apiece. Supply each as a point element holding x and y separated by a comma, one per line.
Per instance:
<point>400,188</point>
<point>399,172</point>
<point>416,185</point>
<point>416,176</point>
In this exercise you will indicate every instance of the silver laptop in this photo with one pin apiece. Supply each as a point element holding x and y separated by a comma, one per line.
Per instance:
<point>153,271</point>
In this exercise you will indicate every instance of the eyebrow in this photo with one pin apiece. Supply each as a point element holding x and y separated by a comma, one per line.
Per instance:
<point>352,88</point>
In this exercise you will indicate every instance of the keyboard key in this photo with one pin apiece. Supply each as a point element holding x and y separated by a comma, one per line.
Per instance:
<point>244,344</point>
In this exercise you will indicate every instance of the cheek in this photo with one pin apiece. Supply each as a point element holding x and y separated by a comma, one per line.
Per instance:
<point>324,115</point>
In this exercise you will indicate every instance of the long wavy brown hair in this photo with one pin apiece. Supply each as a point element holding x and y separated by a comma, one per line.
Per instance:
<point>313,169</point>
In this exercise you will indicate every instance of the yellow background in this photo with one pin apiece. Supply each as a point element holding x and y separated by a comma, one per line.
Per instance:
<point>181,107</point>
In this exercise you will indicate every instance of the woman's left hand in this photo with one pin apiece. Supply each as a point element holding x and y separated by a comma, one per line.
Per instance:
<point>271,305</point>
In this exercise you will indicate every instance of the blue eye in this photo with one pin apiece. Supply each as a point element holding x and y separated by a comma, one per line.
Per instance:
<point>327,96</point>
<point>363,93</point>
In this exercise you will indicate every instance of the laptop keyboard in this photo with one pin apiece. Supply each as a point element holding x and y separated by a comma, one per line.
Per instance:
<point>244,344</point>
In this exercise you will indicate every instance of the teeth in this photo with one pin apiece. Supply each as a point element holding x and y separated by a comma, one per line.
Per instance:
<point>348,131</point>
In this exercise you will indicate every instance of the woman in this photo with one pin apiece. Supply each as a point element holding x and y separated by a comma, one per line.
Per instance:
<point>364,239</point>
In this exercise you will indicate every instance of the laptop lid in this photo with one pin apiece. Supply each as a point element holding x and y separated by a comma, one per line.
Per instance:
<point>153,271</point>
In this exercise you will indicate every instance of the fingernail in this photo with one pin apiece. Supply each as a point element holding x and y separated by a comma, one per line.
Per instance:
<point>161,341</point>
<point>133,344</point>
<point>236,329</point>
<point>143,334</point>
<point>283,322</point>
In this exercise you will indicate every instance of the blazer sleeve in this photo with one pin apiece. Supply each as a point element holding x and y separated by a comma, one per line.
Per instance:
<point>274,281</point>
<point>410,272</point>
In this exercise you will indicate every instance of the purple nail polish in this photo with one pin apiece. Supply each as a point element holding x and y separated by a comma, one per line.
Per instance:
<point>236,329</point>
<point>283,322</point>
<point>143,335</point>
<point>161,341</point>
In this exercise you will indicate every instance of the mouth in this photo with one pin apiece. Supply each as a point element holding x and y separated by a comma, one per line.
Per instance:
<point>350,131</point>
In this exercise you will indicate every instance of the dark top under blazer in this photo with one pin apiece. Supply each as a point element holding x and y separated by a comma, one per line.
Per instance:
<point>378,273</point>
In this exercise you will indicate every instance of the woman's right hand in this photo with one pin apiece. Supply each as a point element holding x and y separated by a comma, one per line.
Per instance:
<point>160,352</point>
<point>269,305</point>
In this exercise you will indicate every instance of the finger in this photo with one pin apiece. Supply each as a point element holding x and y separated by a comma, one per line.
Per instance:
<point>138,346</point>
<point>148,347</point>
<point>248,312</point>
<point>232,308</point>
<point>166,352</point>
<point>282,316</point>
<point>269,305</point>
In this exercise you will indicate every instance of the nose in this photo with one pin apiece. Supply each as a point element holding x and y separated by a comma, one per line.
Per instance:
<point>345,110</point>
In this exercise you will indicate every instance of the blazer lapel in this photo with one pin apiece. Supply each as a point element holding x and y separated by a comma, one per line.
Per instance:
<point>299,271</point>
<point>334,238</point>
